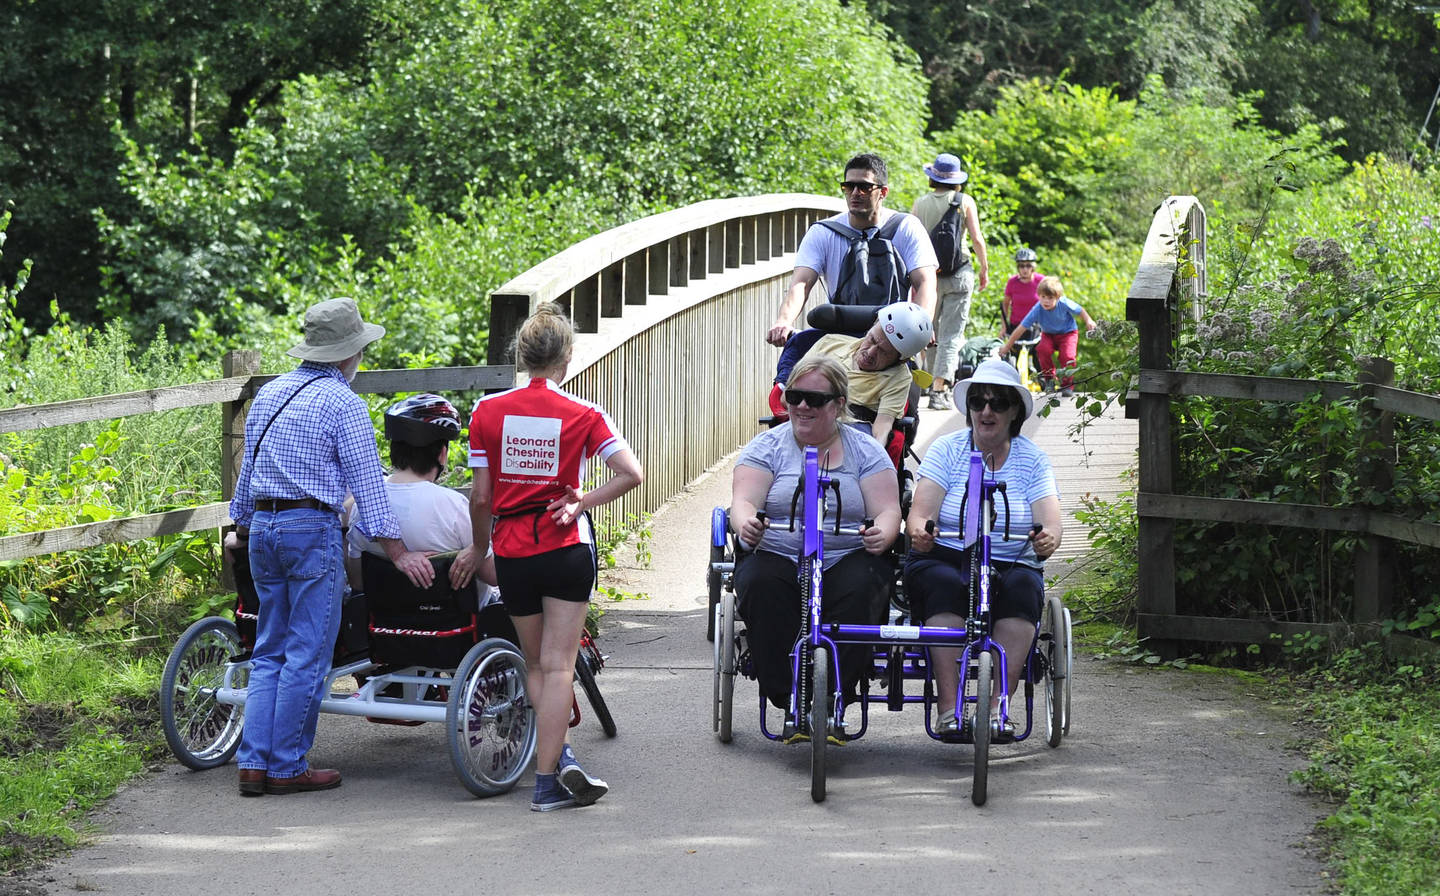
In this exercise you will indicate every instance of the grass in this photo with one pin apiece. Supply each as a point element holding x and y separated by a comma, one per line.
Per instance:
<point>77,720</point>
<point>1378,758</point>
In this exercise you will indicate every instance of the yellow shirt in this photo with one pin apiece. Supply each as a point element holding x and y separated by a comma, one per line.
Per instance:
<point>883,391</point>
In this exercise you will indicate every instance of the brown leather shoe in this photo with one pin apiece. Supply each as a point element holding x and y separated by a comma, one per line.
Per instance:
<point>252,782</point>
<point>310,779</point>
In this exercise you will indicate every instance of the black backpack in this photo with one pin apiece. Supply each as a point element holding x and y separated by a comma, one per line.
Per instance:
<point>948,236</point>
<point>873,273</point>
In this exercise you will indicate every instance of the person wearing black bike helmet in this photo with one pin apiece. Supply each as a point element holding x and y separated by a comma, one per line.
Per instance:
<point>433,518</point>
<point>1021,290</point>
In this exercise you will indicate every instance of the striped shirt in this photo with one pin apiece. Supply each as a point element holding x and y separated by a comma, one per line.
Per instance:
<point>1027,477</point>
<point>321,445</point>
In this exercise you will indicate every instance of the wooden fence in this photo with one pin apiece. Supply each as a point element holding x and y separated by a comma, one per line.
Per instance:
<point>1170,282</point>
<point>233,393</point>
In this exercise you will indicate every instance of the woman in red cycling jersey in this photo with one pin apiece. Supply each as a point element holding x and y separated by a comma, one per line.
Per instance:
<point>528,449</point>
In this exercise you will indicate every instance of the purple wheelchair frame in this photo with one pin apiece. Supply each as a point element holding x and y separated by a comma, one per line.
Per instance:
<point>815,668</point>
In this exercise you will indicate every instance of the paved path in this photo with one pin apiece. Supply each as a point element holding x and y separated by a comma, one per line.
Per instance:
<point>1171,782</point>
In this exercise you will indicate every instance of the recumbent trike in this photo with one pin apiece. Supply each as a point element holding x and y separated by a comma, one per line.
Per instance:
<point>417,655</point>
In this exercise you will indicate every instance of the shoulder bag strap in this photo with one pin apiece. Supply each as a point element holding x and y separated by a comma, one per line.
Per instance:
<point>254,452</point>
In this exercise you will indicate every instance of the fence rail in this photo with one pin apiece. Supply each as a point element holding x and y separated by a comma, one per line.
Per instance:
<point>232,392</point>
<point>1171,271</point>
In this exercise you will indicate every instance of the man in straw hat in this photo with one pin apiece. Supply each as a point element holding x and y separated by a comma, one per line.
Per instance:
<point>308,442</point>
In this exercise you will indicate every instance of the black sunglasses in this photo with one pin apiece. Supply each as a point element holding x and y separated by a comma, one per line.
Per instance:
<point>816,400</point>
<point>998,403</point>
<point>860,185</point>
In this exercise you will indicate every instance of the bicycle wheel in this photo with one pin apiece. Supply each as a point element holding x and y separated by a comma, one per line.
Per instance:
<point>488,720</point>
<point>819,720</point>
<point>725,668</point>
<point>201,732</point>
<point>586,677</point>
<point>712,582</point>
<point>981,729</point>
<point>1052,642</point>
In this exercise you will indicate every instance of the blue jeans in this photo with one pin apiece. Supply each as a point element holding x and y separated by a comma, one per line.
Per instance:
<point>297,561</point>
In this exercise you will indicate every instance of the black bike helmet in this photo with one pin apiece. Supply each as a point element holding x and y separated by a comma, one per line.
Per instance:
<point>422,420</point>
<point>1026,255</point>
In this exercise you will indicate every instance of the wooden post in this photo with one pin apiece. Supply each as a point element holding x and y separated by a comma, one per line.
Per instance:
<point>232,440</point>
<point>1374,573</point>
<point>232,417</point>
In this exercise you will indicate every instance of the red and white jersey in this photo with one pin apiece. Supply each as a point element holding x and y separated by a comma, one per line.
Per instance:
<point>535,441</point>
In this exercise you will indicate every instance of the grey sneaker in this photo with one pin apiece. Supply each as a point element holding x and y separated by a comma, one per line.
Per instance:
<point>550,795</point>
<point>1067,392</point>
<point>583,786</point>
<point>940,401</point>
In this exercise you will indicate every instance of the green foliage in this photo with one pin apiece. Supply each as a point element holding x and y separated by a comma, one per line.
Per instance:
<point>493,138</point>
<point>1109,589</point>
<point>1379,758</point>
<point>1078,163</point>
<point>76,720</point>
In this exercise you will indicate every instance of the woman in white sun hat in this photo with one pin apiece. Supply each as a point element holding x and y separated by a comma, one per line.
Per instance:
<point>937,570</point>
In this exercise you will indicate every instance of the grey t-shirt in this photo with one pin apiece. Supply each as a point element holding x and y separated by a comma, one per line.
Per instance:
<point>776,452</point>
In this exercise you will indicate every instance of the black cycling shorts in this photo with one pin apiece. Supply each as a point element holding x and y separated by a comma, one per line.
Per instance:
<point>566,573</point>
<point>938,582</point>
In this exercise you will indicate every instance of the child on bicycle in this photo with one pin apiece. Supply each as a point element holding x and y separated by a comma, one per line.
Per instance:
<point>1021,290</point>
<point>1055,317</point>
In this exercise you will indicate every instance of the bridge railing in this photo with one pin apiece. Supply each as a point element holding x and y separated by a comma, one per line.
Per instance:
<point>1170,282</point>
<point>671,313</point>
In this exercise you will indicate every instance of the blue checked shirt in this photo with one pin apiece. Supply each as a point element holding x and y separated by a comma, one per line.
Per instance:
<point>320,446</point>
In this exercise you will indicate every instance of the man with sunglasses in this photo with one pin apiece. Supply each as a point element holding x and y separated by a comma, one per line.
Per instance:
<point>823,251</point>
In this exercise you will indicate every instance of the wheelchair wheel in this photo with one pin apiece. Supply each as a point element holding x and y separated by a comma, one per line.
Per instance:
<point>981,729</point>
<point>1069,667</point>
<point>201,732</point>
<point>819,720</point>
<point>586,676</point>
<point>488,719</point>
<point>724,667</point>
<point>1052,641</point>
<point>713,582</point>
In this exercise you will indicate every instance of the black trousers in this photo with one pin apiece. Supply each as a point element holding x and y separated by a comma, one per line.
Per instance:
<point>856,590</point>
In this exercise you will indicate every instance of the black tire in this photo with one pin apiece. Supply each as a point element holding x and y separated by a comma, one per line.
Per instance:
<point>819,720</point>
<point>201,732</point>
<point>725,668</point>
<point>713,581</point>
<point>586,677</point>
<point>1069,667</point>
<point>488,720</point>
<point>981,728</point>
<point>1052,641</point>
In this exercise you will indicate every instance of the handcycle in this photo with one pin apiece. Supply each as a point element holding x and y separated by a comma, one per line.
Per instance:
<point>900,648</point>
<point>416,655</point>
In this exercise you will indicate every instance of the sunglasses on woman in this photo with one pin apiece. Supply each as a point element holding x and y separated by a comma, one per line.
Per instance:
<point>998,403</point>
<point>816,400</point>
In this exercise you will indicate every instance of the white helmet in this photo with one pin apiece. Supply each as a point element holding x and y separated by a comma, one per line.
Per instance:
<point>907,326</point>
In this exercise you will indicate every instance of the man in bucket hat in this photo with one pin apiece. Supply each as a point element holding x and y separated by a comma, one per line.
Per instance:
<point>953,288</point>
<point>308,442</point>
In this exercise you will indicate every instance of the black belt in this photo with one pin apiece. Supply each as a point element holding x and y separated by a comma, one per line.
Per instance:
<point>275,505</point>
